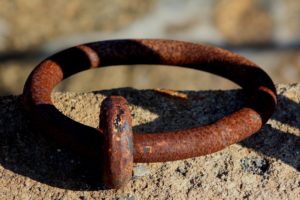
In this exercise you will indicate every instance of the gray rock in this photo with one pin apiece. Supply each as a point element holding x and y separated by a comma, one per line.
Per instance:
<point>255,165</point>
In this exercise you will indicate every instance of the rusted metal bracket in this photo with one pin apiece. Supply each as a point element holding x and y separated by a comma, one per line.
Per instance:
<point>114,143</point>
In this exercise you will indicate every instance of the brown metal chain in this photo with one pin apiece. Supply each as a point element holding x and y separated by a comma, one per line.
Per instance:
<point>114,142</point>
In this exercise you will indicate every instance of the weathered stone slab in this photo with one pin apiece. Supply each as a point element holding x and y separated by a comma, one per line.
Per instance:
<point>265,166</point>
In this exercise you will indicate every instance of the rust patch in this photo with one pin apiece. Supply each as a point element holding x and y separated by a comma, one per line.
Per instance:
<point>93,56</point>
<point>115,121</point>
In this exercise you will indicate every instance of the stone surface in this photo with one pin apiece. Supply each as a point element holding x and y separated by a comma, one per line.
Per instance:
<point>264,166</point>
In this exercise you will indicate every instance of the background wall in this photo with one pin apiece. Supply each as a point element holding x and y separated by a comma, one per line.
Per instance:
<point>267,32</point>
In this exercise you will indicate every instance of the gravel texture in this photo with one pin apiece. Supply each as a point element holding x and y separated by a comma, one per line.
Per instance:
<point>264,166</point>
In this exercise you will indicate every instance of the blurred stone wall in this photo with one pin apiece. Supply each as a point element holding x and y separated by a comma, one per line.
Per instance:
<point>27,24</point>
<point>266,31</point>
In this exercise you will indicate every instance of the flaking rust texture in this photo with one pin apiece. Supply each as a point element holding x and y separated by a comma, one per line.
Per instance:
<point>115,124</point>
<point>264,166</point>
<point>161,146</point>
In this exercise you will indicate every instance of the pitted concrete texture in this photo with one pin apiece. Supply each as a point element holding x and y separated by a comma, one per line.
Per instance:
<point>264,166</point>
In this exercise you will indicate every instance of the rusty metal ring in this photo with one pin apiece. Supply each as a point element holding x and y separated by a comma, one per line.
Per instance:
<point>148,147</point>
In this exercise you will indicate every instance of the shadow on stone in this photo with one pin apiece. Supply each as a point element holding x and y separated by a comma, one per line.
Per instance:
<point>276,143</point>
<point>206,107</point>
<point>31,155</point>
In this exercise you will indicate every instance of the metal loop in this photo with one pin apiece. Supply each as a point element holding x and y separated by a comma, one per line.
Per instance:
<point>151,147</point>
